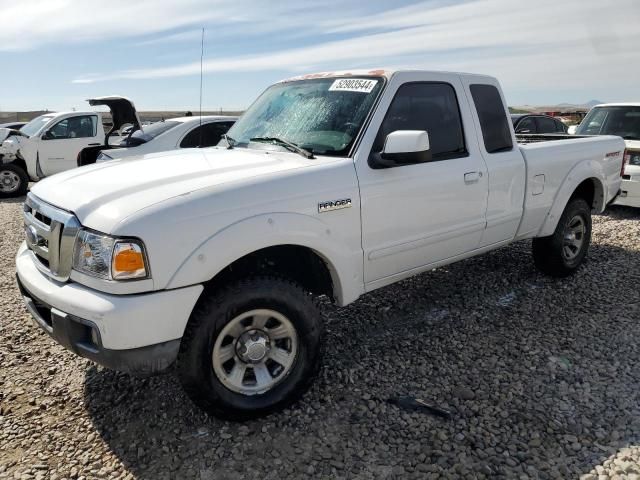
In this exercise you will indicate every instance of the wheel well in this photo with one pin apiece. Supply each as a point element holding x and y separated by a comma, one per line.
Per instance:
<point>19,162</point>
<point>591,191</point>
<point>297,263</point>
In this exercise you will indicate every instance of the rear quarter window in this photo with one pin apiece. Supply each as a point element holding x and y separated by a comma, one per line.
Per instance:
<point>493,119</point>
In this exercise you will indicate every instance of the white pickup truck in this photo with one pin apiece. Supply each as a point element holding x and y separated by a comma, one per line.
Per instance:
<point>50,143</point>
<point>332,184</point>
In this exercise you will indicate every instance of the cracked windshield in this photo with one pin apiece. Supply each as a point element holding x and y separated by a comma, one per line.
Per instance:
<point>322,116</point>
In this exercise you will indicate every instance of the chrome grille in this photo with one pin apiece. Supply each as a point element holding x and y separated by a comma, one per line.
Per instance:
<point>50,233</point>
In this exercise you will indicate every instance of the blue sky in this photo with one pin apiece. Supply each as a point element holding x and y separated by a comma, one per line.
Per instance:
<point>56,53</point>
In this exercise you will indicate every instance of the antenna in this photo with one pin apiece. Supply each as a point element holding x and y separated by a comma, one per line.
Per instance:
<point>201,58</point>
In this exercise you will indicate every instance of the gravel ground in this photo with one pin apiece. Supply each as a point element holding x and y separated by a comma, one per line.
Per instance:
<point>541,377</point>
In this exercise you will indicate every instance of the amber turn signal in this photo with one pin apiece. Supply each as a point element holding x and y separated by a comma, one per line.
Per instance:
<point>128,261</point>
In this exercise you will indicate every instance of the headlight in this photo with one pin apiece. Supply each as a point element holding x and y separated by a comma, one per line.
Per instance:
<point>103,157</point>
<point>109,258</point>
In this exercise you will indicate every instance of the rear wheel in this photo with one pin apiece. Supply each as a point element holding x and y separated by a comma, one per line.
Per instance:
<point>251,348</point>
<point>560,254</point>
<point>13,181</point>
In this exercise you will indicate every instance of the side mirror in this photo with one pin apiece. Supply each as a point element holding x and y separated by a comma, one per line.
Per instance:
<point>403,147</point>
<point>48,135</point>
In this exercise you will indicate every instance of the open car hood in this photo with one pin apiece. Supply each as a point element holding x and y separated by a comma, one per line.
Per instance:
<point>9,132</point>
<point>123,111</point>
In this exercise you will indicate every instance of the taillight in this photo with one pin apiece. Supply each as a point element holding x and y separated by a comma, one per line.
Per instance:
<point>626,158</point>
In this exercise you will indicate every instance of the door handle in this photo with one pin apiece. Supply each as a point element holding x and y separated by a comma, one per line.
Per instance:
<point>472,177</point>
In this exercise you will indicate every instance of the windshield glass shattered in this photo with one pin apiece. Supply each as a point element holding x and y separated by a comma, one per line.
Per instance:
<point>623,121</point>
<point>322,116</point>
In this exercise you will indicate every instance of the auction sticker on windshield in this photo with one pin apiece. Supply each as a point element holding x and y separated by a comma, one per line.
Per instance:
<point>363,85</point>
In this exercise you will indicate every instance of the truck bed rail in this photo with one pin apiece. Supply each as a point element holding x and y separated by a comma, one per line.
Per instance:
<point>523,138</point>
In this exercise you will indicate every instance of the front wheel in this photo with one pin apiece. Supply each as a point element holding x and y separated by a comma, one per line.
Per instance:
<point>560,254</point>
<point>251,348</point>
<point>13,181</point>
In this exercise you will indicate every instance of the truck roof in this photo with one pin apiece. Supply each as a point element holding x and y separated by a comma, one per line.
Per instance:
<point>619,104</point>
<point>376,72</point>
<point>73,112</point>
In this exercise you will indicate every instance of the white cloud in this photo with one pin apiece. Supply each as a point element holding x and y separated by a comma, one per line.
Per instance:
<point>543,42</point>
<point>38,22</point>
<point>547,44</point>
<point>189,35</point>
<point>29,24</point>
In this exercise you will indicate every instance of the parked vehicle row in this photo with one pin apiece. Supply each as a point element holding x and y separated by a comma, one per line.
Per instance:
<point>333,184</point>
<point>623,120</point>
<point>56,142</point>
<point>182,132</point>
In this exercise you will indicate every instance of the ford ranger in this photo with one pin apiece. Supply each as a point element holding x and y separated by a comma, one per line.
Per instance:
<point>331,185</point>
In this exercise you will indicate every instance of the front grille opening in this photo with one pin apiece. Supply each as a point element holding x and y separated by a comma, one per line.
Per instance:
<point>43,218</point>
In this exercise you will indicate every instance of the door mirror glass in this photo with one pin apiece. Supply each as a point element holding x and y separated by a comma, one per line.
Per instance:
<point>403,147</point>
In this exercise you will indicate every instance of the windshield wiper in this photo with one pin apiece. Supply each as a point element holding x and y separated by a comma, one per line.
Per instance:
<point>288,145</point>
<point>230,141</point>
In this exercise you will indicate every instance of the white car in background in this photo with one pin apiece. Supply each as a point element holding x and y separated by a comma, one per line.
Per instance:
<point>623,120</point>
<point>51,143</point>
<point>176,133</point>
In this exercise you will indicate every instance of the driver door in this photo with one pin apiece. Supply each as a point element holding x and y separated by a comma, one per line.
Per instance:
<point>62,142</point>
<point>416,215</point>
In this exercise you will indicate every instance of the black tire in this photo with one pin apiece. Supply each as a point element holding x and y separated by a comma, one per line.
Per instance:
<point>9,169</point>
<point>214,311</point>
<point>549,253</point>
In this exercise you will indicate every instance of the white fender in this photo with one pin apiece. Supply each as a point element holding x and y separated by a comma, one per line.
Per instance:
<point>273,229</point>
<point>581,172</point>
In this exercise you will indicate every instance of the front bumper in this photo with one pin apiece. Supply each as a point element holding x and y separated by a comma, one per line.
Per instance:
<point>630,192</point>
<point>133,333</point>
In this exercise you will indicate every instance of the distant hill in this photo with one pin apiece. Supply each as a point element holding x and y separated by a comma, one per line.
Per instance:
<point>593,103</point>
<point>554,108</point>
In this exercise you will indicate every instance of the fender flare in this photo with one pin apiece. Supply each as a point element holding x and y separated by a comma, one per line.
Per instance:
<point>268,230</point>
<point>588,170</point>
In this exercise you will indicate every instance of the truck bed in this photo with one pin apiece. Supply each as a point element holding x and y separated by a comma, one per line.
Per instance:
<point>550,163</point>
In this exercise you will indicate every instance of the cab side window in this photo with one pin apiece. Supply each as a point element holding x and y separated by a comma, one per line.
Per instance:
<point>75,127</point>
<point>206,135</point>
<point>432,107</point>
<point>493,118</point>
<point>59,130</point>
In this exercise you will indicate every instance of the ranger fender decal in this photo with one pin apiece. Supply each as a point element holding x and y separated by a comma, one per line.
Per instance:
<point>334,205</point>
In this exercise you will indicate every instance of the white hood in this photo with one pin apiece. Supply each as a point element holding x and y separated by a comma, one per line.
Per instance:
<point>102,195</point>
